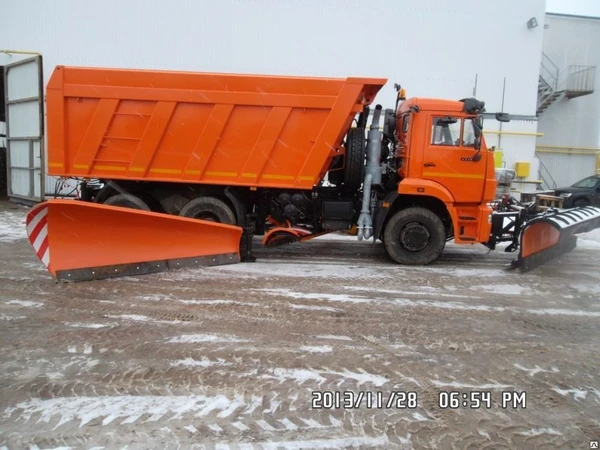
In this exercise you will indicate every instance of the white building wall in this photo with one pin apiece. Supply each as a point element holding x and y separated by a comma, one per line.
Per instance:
<point>434,48</point>
<point>564,169</point>
<point>573,122</point>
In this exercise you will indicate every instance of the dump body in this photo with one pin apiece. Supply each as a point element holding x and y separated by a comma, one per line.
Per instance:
<point>209,128</point>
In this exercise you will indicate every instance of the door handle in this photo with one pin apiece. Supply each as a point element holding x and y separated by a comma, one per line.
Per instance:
<point>429,164</point>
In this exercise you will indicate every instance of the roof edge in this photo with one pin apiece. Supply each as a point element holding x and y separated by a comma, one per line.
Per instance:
<point>574,16</point>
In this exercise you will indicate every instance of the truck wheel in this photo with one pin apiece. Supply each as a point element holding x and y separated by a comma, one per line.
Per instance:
<point>355,159</point>
<point>580,202</point>
<point>414,236</point>
<point>208,208</point>
<point>127,201</point>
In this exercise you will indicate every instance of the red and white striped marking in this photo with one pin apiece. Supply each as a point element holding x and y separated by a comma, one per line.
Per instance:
<point>37,232</point>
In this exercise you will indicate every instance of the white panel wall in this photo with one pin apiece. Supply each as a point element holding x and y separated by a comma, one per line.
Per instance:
<point>566,169</point>
<point>574,122</point>
<point>434,48</point>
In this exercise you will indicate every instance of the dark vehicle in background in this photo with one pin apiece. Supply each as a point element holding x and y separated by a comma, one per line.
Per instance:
<point>585,192</point>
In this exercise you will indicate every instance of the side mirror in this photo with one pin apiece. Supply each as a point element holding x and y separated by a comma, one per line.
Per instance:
<point>477,144</point>
<point>477,157</point>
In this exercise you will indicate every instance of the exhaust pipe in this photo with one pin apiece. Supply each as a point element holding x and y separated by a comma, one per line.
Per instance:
<point>374,148</point>
<point>372,176</point>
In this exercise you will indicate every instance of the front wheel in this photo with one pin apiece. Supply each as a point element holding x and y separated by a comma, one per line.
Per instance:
<point>414,236</point>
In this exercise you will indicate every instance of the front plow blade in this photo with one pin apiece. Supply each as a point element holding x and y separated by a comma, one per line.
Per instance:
<point>549,236</point>
<point>80,241</point>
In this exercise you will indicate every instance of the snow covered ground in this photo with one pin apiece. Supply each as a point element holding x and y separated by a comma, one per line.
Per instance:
<point>589,240</point>
<point>236,356</point>
<point>12,226</point>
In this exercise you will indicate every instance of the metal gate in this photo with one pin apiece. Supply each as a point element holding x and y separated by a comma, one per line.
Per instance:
<point>563,166</point>
<point>23,84</point>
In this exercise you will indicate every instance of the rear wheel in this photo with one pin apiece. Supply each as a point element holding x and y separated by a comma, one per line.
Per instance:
<point>127,201</point>
<point>355,159</point>
<point>414,236</point>
<point>208,208</point>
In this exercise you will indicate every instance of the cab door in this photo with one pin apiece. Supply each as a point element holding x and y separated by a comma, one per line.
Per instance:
<point>449,158</point>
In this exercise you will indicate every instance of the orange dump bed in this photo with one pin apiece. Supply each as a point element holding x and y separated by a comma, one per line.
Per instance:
<point>268,131</point>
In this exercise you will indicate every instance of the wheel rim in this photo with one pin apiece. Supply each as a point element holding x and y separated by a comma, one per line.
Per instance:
<point>414,236</point>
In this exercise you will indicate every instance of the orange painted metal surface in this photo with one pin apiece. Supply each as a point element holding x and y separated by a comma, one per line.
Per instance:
<point>187,127</point>
<point>68,235</point>
<point>538,237</point>
<point>449,166</point>
<point>446,172</point>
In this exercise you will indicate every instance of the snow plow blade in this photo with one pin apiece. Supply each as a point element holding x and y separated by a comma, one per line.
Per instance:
<point>81,241</point>
<point>551,235</point>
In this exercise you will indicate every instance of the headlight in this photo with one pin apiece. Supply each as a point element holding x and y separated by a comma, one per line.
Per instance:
<point>566,194</point>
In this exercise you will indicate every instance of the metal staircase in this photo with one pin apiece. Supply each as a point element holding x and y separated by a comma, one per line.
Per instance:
<point>551,88</point>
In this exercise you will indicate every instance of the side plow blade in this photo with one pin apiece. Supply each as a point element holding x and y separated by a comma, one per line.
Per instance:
<point>80,241</point>
<point>547,237</point>
<point>279,236</point>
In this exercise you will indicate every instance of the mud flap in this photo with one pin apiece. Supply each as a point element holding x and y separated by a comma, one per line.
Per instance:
<point>551,235</point>
<point>81,241</point>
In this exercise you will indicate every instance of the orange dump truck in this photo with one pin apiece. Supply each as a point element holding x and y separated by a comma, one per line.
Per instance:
<point>179,169</point>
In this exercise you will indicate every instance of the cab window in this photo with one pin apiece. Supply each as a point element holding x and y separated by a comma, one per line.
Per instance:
<point>405,123</point>
<point>445,131</point>
<point>468,137</point>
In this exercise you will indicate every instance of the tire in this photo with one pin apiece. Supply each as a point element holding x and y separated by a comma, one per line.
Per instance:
<point>580,202</point>
<point>152,202</point>
<point>355,159</point>
<point>127,201</point>
<point>208,208</point>
<point>414,236</point>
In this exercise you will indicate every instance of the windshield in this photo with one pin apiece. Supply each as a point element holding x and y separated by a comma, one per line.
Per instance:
<point>588,182</point>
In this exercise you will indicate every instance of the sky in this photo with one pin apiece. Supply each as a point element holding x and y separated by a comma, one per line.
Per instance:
<point>575,7</point>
